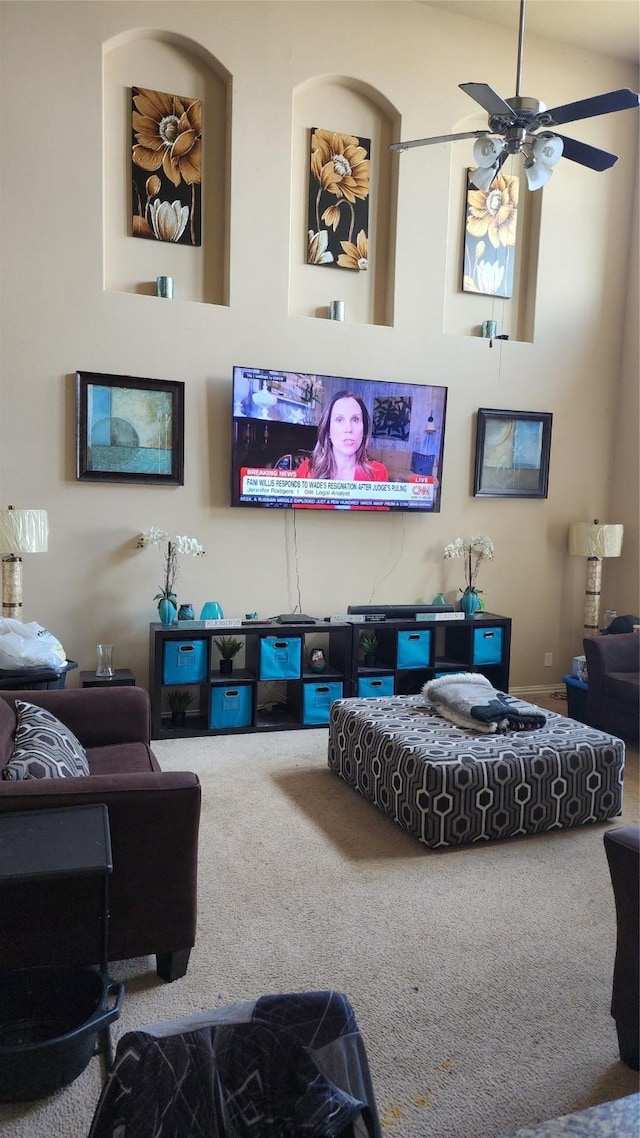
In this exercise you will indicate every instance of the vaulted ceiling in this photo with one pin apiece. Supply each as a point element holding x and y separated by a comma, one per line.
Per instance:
<point>608,27</point>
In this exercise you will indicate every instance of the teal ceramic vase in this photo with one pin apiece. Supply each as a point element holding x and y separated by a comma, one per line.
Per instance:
<point>186,612</point>
<point>469,602</point>
<point>167,611</point>
<point>211,610</point>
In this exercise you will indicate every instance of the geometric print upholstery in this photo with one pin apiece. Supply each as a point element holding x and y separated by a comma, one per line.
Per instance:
<point>44,747</point>
<point>277,1067</point>
<point>447,786</point>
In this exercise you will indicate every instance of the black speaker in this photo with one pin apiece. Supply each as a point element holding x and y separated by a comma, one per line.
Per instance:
<point>397,612</point>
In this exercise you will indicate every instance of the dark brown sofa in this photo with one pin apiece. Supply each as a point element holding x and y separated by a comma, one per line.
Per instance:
<point>154,818</point>
<point>613,696</point>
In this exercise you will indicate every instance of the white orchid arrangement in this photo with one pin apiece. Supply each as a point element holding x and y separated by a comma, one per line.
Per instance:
<point>475,550</point>
<point>171,545</point>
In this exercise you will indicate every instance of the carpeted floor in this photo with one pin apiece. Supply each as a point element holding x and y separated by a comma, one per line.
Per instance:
<point>480,976</point>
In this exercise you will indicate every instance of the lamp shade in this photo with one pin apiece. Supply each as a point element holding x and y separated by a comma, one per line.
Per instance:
<point>591,539</point>
<point>264,397</point>
<point>23,531</point>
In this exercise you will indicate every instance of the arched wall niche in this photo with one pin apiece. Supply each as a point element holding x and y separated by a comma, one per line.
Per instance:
<point>163,61</point>
<point>465,311</point>
<point>347,105</point>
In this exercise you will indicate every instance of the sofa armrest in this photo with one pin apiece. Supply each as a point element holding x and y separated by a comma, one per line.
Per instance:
<point>154,821</point>
<point>98,717</point>
<point>120,792</point>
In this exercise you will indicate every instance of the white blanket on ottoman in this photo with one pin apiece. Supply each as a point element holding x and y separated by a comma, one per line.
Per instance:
<point>469,700</point>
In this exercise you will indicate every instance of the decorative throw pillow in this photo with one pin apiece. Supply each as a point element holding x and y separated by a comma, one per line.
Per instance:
<point>43,747</point>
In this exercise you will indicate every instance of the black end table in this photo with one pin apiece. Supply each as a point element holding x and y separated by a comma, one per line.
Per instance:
<point>63,842</point>
<point>121,678</point>
<point>32,679</point>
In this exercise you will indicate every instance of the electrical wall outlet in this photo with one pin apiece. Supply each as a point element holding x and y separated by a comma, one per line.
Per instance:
<point>548,659</point>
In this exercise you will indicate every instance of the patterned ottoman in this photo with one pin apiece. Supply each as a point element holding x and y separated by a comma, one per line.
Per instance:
<point>447,786</point>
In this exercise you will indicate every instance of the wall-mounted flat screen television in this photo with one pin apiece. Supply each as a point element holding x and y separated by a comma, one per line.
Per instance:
<point>330,443</point>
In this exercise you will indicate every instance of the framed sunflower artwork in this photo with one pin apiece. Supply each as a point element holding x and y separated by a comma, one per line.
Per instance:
<point>490,237</point>
<point>166,167</point>
<point>339,185</point>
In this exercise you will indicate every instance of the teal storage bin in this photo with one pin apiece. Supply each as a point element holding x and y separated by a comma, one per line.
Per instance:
<point>231,706</point>
<point>414,649</point>
<point>317,699</point>
<point>184,661</point>
<point>487,646</point>
<point>370,686</point>
<point>280,657</point>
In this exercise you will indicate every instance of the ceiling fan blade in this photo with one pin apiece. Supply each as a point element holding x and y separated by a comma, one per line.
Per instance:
<point>437,138</point>
<point>487,98</point>
<point>622,100</point>
<point>587,155</point>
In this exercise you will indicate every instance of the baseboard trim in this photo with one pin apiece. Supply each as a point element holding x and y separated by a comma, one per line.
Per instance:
<point>540,689</point>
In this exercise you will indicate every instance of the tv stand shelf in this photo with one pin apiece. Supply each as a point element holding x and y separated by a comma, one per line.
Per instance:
<point>253,698</point>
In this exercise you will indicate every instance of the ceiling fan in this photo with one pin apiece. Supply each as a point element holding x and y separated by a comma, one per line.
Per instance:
<point>521,126</point>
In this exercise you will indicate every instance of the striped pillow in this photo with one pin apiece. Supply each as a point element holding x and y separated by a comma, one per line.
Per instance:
<point>43,747</point>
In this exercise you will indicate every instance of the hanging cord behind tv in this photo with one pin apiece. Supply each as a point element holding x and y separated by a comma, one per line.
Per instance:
<point>302,618</point>
<point>298,607</point>
<point>381,580</point>
<point>292,515</point>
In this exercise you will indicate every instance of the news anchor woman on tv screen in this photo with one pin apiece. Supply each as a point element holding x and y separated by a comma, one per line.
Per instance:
<point>341,450</point>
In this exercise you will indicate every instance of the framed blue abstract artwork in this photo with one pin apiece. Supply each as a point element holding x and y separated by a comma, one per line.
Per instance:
<point>513,449</point>
<point>129,429</point>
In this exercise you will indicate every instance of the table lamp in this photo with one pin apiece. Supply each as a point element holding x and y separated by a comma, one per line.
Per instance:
<point>21,531</point>
<point>594,541</point>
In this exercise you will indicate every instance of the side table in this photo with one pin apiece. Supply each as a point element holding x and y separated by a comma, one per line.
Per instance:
<point>39,846</point>
<point>66,841</point>
<point>121,678</point>
<point>31,679</point>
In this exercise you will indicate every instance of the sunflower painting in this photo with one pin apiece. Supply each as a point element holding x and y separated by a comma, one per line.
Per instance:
<point>166,166</point>
<point>490,237</point>
<point>339,183</point>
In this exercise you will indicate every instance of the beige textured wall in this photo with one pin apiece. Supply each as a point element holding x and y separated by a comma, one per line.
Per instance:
<point>58,316</point>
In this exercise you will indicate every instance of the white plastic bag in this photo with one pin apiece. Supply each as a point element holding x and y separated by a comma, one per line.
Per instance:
<point>28,646</point>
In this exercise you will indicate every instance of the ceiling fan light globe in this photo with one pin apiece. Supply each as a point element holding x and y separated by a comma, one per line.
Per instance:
<point>486,151</point>
<point>547,149</point>
<point>482,177</point>
<point>537,174</point>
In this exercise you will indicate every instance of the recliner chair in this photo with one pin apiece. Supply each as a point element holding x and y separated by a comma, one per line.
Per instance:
<point>613,694</point>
